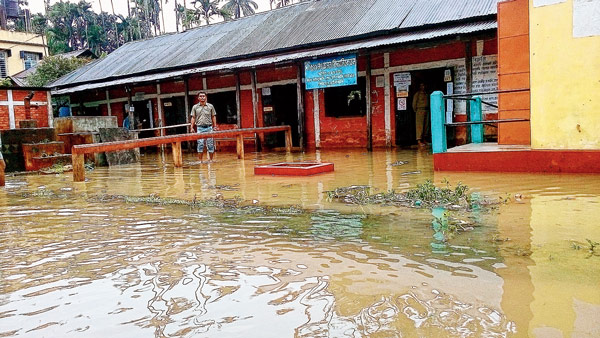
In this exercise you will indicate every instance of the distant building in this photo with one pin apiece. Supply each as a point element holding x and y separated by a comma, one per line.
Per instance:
<point>20,51</point>
<point>20,79</point>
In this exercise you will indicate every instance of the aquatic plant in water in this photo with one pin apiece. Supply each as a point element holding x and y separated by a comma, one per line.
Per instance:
<point>423,195</point>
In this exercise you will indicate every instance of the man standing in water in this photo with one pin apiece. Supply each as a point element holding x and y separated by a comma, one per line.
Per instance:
<point>204,120</point>
<point>420,106</point>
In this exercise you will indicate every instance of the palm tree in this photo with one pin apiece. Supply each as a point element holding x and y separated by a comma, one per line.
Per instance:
<point>207,8</point>
<point>280,3</point>
<point>239,7</point>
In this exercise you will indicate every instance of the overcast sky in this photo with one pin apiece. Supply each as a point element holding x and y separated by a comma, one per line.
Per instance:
<point>37,6</point>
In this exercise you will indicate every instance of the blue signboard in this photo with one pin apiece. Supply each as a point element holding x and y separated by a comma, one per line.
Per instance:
<point>330,72</point>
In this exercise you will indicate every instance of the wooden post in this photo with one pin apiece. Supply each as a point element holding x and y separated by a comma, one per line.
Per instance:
<point>2,167</point>
<point>288,140</point>
<point>300,99</point>
<point>240,146</point>
<point>78,167</point>
<point>368,101</point>
<point>255,108</point>
<point>238,100</point>
<point>177,156</point>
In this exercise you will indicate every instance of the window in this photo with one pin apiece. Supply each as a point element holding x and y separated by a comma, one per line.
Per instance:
<point>30,59</point>
<point>3,68</point>
<point>347,100</point>
<point>225,105</point>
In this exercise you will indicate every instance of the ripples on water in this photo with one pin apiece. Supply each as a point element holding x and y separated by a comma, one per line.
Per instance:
<point>127,270</point>
<point>73,267</point>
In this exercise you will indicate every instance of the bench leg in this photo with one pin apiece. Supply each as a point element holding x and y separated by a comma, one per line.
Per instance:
<point>78,167</point>
<point>177,156</point>
<point>2,167</point>
<point>240,146</point>
<point>288,140</point>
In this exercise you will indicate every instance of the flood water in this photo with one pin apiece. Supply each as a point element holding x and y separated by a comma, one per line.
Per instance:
<point>75,261</point>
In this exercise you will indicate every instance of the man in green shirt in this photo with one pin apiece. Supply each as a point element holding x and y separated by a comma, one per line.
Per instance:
<point>204,121</point>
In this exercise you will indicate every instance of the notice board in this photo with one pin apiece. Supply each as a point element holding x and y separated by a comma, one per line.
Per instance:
<point>333,71</point>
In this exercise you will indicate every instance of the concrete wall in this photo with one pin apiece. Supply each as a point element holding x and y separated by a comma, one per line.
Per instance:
<point>565,74</point>
<point>17,42</point>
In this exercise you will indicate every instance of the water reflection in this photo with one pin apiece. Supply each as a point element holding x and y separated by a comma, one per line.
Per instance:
<point>71,266</point>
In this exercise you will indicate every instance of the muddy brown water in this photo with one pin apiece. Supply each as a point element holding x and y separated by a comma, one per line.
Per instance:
<point>74,266</point>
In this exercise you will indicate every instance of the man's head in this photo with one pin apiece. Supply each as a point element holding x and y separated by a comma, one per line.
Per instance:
<point>422,87</point>
<point>202,98</point>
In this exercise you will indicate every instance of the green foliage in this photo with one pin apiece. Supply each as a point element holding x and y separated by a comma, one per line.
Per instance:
<point>6,82</point>
<point>430,194</point>
<point>52,68</point>
<point>424,195</point>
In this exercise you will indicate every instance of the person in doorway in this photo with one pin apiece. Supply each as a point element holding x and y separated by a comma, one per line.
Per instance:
<point>420,105</point>
<point>204,120</point>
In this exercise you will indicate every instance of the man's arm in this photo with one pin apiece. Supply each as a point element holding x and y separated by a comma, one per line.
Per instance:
<point>192,124</point>
<point>213,116</point>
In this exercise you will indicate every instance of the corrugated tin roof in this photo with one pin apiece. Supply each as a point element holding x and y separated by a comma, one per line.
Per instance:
<point>274,59</point>
<point>293,27</point>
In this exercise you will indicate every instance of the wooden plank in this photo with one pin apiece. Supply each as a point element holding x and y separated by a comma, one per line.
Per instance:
<point>288,139</point>
<point>177,155</point>
<point>154,141</point>
<point>2,167</point>
<point>78,167</point>
<point>240,146</point>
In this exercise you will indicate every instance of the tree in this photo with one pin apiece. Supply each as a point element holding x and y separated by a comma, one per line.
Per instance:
<point>207,8</point>
<point>280,3</point>
<point>52,68</point>
<point>239,7</point>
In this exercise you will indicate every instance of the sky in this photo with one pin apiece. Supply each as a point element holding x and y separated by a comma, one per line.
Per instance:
<point>37,6</point>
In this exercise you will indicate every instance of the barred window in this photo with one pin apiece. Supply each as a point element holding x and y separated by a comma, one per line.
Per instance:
<point>30,59</point>
<point>3,68</point>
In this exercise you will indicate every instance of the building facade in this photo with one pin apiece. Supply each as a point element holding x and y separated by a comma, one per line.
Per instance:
<point>254,71</point>
<point>20,51</point>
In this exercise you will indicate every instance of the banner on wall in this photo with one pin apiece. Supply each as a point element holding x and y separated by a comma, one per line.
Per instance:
<point>331,72</point>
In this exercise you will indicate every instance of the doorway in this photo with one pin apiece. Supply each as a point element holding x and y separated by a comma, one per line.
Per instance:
<point>433,79</point>
<point>142,116</point>
<point>174,111</point>
<point>280,107</point>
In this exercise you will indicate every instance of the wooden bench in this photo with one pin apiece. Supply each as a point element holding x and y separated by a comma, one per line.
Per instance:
<point>79,151</point>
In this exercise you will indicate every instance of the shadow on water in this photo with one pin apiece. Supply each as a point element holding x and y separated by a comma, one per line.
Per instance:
<point>76,265</point>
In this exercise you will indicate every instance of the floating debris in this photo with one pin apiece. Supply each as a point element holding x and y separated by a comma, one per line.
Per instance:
<point>398,163</point>
<point>411,173</point>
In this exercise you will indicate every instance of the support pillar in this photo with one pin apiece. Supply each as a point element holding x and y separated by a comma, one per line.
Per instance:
<point>438,121</point>
<point>238,100</point>
<point>300,101</point>
<point>475,115</point>
<point>368,101</point>
<point>288,140</point>
<point>240,146</point>
<point>177,156</point>
<point>255,108</point>
<point>78,167</point>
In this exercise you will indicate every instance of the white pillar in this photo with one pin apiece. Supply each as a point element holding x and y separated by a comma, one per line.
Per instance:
<point>387,115</point>
<point>11,110</point>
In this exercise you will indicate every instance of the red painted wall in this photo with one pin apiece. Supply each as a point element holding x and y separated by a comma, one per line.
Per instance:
<point>38,113</point>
